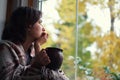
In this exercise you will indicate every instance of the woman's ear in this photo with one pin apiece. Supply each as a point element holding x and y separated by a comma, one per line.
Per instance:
<point>29,27</point>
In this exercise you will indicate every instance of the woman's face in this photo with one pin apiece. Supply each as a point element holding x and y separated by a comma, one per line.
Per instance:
<point>36,30</point>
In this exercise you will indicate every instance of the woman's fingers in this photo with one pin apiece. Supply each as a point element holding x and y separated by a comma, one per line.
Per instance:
<point>42,58</point>
<point>43,38</point>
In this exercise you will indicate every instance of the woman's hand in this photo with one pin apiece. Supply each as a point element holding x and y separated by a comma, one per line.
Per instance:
<point>43,39</point>
<point>41,59</point>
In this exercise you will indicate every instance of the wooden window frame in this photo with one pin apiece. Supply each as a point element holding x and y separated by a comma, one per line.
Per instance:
<point>11,6</point>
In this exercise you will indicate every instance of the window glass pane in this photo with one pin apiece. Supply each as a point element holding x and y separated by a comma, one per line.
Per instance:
<point>91,30</point>
<point>61,33</point>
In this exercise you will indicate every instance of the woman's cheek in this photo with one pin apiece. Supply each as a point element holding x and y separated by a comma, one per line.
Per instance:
<point>38,30</point>
<point>39,33</point>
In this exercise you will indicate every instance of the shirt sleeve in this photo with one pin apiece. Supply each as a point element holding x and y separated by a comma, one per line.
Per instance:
<point>10,69</point>
<point>48,74</point>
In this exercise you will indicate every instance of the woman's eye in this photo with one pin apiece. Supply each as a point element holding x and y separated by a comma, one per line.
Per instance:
<point>40,21</point>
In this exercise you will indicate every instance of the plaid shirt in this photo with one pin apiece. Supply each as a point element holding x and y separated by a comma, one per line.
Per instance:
<point>13,65</point>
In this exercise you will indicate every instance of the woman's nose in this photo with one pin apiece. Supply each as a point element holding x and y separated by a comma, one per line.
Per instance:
<point>43,29</point>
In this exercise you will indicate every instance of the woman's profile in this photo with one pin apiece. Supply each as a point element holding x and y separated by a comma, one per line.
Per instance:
<point>23,30</point>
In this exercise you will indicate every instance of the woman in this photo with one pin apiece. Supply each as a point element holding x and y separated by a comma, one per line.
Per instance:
<point>23,30</point>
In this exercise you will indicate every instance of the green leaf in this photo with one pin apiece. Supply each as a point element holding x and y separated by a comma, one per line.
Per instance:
<point>107,69</point>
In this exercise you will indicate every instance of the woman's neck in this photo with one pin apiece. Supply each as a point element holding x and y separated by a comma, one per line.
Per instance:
<point>26,45</point>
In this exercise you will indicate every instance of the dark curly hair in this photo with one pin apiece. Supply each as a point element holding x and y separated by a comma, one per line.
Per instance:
<point>20,20</point>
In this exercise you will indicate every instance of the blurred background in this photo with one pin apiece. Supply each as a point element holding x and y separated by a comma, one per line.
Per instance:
<point>88,31</point>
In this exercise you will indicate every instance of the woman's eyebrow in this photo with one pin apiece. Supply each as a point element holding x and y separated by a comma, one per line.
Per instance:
<point>40,21</point>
